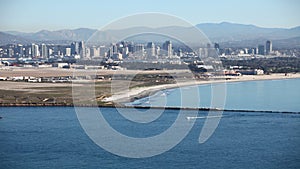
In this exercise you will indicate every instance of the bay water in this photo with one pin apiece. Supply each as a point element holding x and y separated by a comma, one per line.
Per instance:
<point>52,137</point>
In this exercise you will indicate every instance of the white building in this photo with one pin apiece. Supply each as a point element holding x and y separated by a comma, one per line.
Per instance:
<point>94,52</point>
<point>258,71</point>
<point>35,50</point>
<point>44,51</point>
<point>68,52</point>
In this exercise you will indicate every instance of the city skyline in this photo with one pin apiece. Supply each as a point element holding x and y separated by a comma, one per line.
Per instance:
<point>129,50</point>
<point>33,15</point>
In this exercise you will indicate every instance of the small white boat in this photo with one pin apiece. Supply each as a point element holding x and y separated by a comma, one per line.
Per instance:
<point>202,117</point>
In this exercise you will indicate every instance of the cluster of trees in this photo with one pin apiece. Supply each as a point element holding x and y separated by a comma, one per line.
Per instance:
<point>270,65</point>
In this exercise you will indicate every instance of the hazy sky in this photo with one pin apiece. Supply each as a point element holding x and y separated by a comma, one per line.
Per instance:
<point>35,15</point>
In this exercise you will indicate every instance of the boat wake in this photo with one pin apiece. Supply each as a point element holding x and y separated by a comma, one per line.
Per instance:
<point>202,117</point>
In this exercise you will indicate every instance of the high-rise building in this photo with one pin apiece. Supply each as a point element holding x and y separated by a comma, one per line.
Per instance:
<point>68,52</point>
<point>139,48</point>
<point>20,50</point>
<point>44,51</point>
<point>103,51</point>
<point>110,52</point>
<point>151,49</point>
<point>203,52</point>
<point>167,46</point>
<point>252,51</point>
<point>157,50</point>
<point>74,48</point>
<point>228,51</point>
<point>81,49</point>
<point>130,47</point>
<point>87,53</point>
<point>210,50</point>
<point>94,52</point>
<point>35,50</point>
<point>180,53</point>
<point>208,45</point>
<point>114,48</point>
<point>50,52</point>
<point>28,51</point>
<point>125,52</point>
<point>10,52</point>
<point>138,51</point>
<point>268,47</point>
<point>217,48</point>
<point>261,50</point>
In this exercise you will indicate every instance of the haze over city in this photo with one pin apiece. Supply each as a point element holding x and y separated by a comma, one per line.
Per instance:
<point>35,15</point>
<point>150,84</point>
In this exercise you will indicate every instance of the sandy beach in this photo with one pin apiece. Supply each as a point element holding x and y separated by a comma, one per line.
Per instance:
<point>136,93</point>
<point>147,83</point>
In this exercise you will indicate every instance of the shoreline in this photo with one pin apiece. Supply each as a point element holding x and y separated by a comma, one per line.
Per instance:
<point>141,92</point>
<point>118,99</point>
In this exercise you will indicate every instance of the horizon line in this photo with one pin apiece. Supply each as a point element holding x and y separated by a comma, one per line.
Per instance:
<point>217,23</point>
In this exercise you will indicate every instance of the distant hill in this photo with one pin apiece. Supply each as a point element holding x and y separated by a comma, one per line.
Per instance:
<point>226,33</point>
<point>65,34</point>
<point>12,39</point>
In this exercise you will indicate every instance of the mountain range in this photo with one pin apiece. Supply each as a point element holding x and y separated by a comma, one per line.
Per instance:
<point>224,33</point>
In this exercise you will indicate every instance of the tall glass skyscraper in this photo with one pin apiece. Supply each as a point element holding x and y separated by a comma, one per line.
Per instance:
<point>268,47</point>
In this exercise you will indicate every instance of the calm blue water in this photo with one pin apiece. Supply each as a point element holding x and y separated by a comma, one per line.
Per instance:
<point>273,95</point>
<point>51,137</point>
